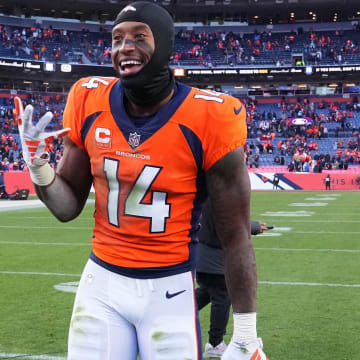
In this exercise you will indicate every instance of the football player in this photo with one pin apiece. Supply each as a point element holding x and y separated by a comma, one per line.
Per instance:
<point>154,150</point>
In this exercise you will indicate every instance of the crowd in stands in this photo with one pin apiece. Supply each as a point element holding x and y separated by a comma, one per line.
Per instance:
<point>272,137</point>
<point>36,42</point>
<point>58,45</point>
<point>276,133</point>
<point>236,48</point>
<point>205,48</point>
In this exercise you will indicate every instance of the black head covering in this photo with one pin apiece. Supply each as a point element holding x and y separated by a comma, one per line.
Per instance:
<point>155,80</point>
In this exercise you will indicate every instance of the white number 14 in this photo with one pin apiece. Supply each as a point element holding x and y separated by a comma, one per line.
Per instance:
<point>157,211</point>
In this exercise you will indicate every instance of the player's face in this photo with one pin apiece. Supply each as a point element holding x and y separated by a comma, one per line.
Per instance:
<point>133,45</point>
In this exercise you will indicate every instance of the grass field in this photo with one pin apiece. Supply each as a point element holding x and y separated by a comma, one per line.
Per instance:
<point>308,268</point>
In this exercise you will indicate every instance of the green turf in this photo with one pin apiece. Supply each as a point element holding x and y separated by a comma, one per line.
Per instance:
<point>302,321</point>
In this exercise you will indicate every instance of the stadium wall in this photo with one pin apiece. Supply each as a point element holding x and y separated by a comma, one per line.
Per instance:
<point>340,180</point>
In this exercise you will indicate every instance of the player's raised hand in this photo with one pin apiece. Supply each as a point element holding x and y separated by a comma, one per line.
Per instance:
<point>35,141</point>
<point>250,351</point>
<point>33,138</point>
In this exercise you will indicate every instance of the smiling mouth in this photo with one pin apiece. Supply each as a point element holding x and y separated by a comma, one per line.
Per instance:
<point>130,67</point>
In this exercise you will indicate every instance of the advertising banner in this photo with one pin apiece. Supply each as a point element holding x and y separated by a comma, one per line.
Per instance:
<point>305,181</point>
<point>15,180</point>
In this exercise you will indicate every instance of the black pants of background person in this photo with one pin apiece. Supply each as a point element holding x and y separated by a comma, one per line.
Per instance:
<point>212,288</point>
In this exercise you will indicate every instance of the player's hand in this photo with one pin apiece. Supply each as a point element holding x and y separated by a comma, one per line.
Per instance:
<point>251,351</point>
<point>33,138</point>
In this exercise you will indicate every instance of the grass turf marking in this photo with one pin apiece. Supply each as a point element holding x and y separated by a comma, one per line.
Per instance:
<point>309,204</point>
<point>31,356</point>
<point>43,243</point>
<point>36,273</point>
<point>44,227</point>
<point>309,250</point>
<point>298,283</point>
<point>289,283</point>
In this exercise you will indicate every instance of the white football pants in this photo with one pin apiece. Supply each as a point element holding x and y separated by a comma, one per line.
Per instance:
<point>117,317</point>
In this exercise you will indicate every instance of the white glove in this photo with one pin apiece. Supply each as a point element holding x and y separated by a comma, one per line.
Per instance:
<point>250,351</point>
<point>35,142</point>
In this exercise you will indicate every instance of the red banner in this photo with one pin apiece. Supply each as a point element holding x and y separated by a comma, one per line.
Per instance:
<point>15,180</point>
<point>259,181</point>
<point>341,181</point>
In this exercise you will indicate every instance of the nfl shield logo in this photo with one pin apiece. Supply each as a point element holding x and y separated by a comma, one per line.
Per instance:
<point>134,140</point>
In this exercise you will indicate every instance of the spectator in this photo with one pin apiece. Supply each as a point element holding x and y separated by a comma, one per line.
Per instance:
<point>327,182</point>
<point>276,181</point>
<point>211,280</point>
<point>3,193</point>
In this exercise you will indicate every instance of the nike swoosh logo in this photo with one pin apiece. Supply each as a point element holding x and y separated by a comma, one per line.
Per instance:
<point>237,111</point>
<point>171,295</point>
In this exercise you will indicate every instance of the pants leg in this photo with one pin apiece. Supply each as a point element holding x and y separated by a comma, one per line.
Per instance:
<point>116,317</point>
<point>220,308</point>
<point>213,287</point>
<point>97,330</point>
<point>201,293</point>
<point>169,328</point>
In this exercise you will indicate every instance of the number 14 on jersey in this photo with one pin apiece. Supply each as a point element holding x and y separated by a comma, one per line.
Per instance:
<point>157,211</point>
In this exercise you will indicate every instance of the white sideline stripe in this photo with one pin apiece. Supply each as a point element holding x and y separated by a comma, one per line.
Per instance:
<point>260,282</point>
<point>324,232</point>
<point>43,243</point>
<point>37,273</point>
<point>10,205</point>
<point>329,194</point>
<point>323,221</point>
<point>311,250</point>
<point>269,234</point>
<point>309,204</point>
<point>288,213</point>
<point>32,357</point>
<point>306,284</point>
<point>321,198</point>
<point>257,236</point>
<point>257,248</point>
<point>51,217</point>
<point>278,228</point>
<point>20,205</point>
<point>303,213</point>
<point>45,227</point>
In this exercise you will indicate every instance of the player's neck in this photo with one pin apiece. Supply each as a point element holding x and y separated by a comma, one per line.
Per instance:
<point>142,110</point>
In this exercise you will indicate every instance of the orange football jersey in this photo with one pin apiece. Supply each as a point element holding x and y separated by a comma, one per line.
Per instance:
<point>149,174</point>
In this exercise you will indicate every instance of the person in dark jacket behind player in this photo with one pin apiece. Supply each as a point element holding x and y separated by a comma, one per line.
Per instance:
<point>211,280</point>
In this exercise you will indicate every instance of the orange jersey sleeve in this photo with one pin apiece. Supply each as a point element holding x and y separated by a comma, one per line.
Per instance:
<point>219,120</point>
<point>82,103</point>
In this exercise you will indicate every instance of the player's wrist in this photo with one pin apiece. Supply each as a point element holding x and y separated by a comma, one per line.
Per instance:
<point>244,328</point>
<point>42,175</point>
